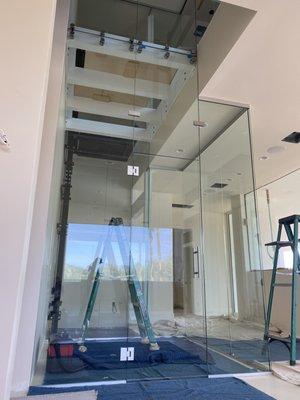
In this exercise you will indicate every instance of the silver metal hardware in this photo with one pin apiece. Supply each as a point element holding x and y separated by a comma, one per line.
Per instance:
<point>133,113</point>
<point>133,170</point>
<point>196,271</point>
<point>127,354</point>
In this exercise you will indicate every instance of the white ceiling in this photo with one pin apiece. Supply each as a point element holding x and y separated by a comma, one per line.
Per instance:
<point>186,136</point>
<point>227,160</point>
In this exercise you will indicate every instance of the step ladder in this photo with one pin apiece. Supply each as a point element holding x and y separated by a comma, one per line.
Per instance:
<point>291,227</point>
<point>137,298</point>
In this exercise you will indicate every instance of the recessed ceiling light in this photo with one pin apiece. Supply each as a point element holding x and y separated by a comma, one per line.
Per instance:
<point>239,173</point>
<point>275,149</point>
<point>262,158</point>
<point>179,151</point>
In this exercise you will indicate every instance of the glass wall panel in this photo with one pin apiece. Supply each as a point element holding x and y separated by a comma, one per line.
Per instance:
<point>275,200</point>
<point>91,327</point>
<point>234,295</point>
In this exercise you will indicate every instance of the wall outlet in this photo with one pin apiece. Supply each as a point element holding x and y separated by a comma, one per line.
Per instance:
<point>127,354</point>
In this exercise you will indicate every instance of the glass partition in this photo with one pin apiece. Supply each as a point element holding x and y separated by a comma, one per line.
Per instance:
<point>165,203</point>
<point>155,274</point>
<point>275,200</point>
<point>234,294</point>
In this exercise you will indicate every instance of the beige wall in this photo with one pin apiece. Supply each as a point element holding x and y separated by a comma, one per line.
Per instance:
<point>25,39</point>
<point>40,265</point>
<point>263,70</point>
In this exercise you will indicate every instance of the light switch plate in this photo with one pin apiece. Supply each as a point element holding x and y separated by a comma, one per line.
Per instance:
<point>127,354</point>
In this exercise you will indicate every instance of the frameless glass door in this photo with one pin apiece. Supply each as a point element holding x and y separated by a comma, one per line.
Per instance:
<point>165,241</point>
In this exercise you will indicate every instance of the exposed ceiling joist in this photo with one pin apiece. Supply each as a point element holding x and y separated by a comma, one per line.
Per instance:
<point>119,47</point>
<point>105,129</point>
<point>110,109</point>
<point>117,83</point>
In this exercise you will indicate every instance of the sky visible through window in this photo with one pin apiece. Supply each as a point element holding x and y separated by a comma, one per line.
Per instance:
<point>151,249</point>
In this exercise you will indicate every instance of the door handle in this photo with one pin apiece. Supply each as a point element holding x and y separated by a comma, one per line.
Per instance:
<point>196,272</point>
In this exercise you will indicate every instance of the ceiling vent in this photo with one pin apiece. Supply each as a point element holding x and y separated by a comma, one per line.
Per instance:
<point>292,138</point>
<point>176,205</point>
<point>218,185</point>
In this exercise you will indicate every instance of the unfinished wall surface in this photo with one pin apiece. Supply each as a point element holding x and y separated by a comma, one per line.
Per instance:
<point>22,104</point>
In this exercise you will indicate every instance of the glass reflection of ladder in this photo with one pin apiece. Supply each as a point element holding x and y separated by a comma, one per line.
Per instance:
<point>292,235</point>
<point>135,290</point>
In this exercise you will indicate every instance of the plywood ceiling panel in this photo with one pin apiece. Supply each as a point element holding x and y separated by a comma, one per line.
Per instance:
<point>128,68</point>
<point>108,96</point>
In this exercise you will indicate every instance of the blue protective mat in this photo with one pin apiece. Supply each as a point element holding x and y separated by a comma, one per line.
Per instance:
<point>101,361</point>
<point>187,389</point>
<point>253,350</point>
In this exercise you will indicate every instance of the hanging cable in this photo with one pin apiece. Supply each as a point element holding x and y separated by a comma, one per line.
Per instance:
<point>270,220</point>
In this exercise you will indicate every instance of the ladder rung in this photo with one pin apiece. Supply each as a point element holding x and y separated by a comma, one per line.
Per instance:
<point>280,244</point>
<point>282,284</point>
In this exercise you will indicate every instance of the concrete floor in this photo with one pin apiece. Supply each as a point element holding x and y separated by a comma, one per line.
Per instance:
<point>274,387</point>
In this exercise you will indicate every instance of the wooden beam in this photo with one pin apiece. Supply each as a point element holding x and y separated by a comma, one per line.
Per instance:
<point>179,81</point>
<point>117,83</point>
<point>110,109</point>
<point>105,129</point>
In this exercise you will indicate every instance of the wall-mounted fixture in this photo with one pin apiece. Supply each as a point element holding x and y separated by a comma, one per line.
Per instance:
<point>133,113</point>
<point>263,158</point>
<point>200,124</point>
<point>3,139</point>
<point>293,137</point>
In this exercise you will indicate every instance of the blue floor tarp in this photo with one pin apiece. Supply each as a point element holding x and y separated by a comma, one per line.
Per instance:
<point>179,389</point>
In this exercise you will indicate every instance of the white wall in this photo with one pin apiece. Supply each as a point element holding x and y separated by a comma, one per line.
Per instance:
<point>26,38</point>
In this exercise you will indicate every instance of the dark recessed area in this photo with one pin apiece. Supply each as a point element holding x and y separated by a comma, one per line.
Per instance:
<point>95,146</point>
<point>176,205</point>
<point>80,58</point>
<point>111,120</point>
<point>219,185</point>
<point>293,137</point>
